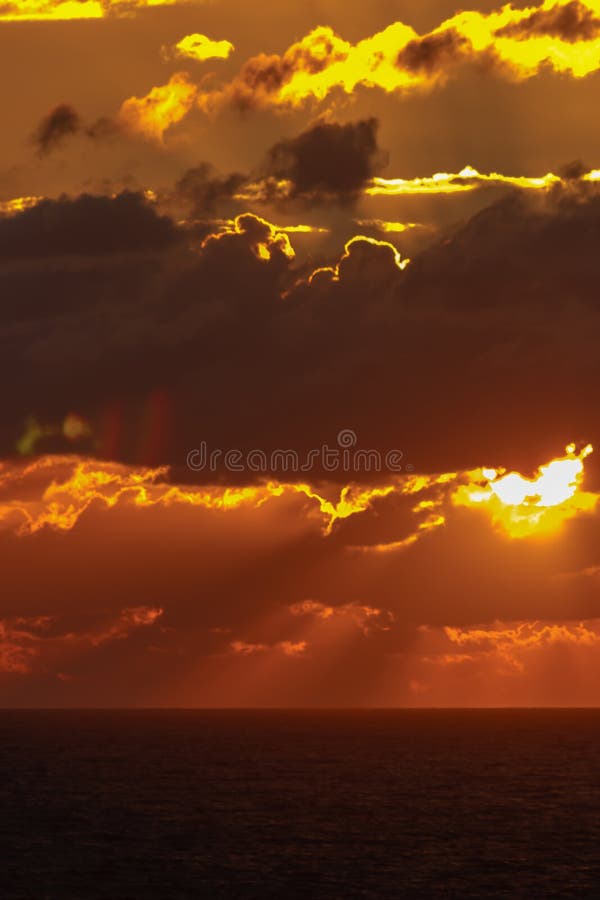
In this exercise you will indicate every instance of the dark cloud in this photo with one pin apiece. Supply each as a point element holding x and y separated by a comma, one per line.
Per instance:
<point>88,226</point>
<point>328,161</point>
<point>62,122</point>
<point>571,22</point>
<point>482,351</point>
<point>203,190</point>
<point>573,171</point>
<point>434,52</point>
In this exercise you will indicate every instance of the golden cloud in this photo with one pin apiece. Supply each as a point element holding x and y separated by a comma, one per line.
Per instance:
<point>264,238</point>
<point>54,492</point>
<point>160,109</point>
<point>64,10</point>
<point>517,43</point>
<point>199,47</point>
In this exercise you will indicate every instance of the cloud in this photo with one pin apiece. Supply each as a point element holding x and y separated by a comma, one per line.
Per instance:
<point>259,601</point>
<point>26,642</point>
<point>88,226</point>
<point>79,484</point>
<point>511,42</point>
<point>469,179</point>
<point>32,10</point>
<point>289,648</point>
<point>509,663</point>
<point>162,108</point>
<point>263,77</point>
<point>328,161</point>
<point>64,10</point>
<point>434,53</point>
<point>174,339</point>
<point>201,48</point>
<point>62,122</point>
<point>572,22</point>
<point>202,189</point>
<point>366,618</point>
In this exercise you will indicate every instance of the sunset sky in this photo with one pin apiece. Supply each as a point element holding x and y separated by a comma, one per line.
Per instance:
<point>261,231</point>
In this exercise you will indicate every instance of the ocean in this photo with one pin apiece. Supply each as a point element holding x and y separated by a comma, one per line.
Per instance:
<point>278,804</point>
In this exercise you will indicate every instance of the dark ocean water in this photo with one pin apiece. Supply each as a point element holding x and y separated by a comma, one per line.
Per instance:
<point>176,804</point>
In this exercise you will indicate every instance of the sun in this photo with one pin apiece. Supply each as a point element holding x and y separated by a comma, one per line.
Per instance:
<point>523,507</point>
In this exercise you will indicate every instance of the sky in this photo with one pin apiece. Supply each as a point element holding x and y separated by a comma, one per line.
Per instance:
<point>299,343</point>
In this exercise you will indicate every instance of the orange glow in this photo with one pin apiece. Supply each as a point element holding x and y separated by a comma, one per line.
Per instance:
<point>525,507</point>
<point>160,109</point>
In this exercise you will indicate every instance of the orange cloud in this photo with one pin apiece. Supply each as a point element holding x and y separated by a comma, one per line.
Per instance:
<point>288,648</point>
<point>24,639</point>
<point>507,663</point>
<point>511,642</point>
<point>151,116</point>
<point>367,618</point>
<point>75,485</point>
<point>54,492</point>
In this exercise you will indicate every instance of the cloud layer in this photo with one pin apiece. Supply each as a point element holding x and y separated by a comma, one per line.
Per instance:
<point>480,338</point>
<point>283,595</point>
